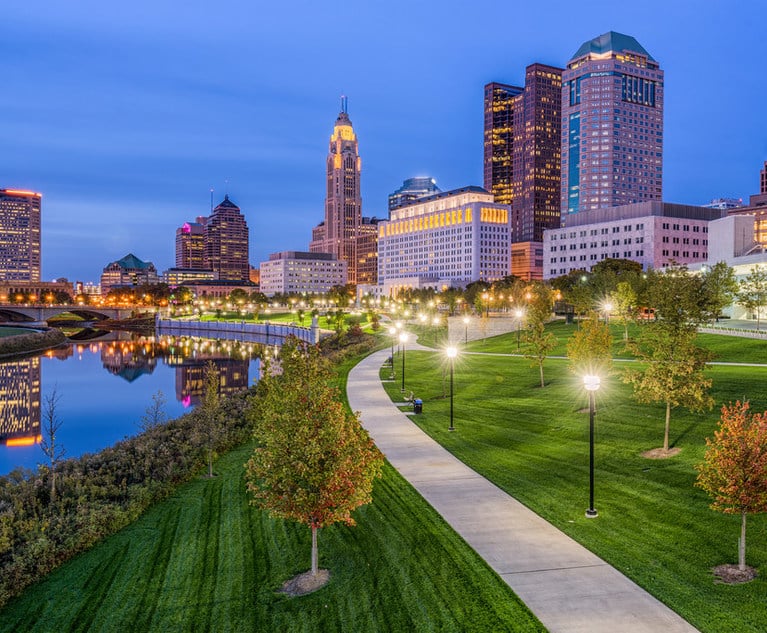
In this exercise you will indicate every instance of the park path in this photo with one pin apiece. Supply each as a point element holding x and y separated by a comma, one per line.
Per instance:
<point>567,587</point>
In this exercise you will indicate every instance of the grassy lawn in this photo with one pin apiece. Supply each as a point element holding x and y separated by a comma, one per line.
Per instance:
<point>653,524</point>
<point>205,560</point>
<point>8,330</point>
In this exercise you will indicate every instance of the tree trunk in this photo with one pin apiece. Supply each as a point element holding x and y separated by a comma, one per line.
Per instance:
<point>540,366</point>
<point>742,544</point>
<point>625,331</point>
<point>315,556</point>
<point>53,483</point>
<point>210,463</point>
<point>668,424</point>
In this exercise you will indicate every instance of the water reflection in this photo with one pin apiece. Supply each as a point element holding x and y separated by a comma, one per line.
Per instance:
<point>96,410</point>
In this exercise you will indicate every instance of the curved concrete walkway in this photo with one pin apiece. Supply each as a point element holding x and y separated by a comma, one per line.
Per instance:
<point>567,587</point>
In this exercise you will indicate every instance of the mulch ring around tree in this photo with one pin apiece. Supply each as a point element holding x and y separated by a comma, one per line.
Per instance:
<point>731,575</point>
<point>659,453</point>
<point>305,583</point>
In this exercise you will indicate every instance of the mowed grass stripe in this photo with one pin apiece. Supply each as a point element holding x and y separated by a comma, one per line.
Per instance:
<point>400,569</point>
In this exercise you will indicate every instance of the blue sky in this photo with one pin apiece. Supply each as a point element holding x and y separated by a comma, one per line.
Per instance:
<point>124,116</point>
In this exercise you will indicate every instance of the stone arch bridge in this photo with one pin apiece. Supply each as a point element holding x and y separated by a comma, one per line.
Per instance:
<point>28,314</point>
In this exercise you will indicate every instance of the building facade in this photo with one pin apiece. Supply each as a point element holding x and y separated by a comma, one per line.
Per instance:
<point>654,234</point>
<point>227,243</point>
<point>128,271</point>
<point>296,272</point>
<point>448,239</point>
<point>190,245</point>
<point>343,202</point>
<point>367,251</point>
<point>411,190</point>
<point>181,276</point>
<point>20,235</point>
<point>501,100</point>
<point>20,402</point>
<point>612,126</point>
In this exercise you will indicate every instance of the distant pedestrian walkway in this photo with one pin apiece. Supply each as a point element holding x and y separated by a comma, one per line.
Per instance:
<point>567,587</point>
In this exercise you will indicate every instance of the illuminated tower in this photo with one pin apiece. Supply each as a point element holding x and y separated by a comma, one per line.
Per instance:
<point>190,245</point>
<point>612,125</point>
<point>19,235</point>
<point>226,242</point>
<point>343,203</point>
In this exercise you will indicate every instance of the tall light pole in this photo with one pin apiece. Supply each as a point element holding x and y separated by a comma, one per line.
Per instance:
<point>393,334</point>
<point>452,352</point>
<point>519,314</point>
<point>591,383</point>
<point>403,340</point>
<point>608,307</point>
<point>465,330</point>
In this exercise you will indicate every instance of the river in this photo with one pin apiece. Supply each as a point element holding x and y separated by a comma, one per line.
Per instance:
<point>105,386</point>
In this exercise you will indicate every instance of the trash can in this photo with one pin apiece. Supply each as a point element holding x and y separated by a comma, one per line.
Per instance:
<point>417,405</point>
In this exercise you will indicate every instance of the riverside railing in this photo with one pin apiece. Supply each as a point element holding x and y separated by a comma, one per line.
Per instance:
<point>731,331</point>
<point>262,332</point>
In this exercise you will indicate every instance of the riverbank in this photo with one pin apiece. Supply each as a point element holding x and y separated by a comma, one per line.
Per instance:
<point>32,342</point>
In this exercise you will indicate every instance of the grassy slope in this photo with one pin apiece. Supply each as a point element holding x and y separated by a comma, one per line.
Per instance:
<point>653,523</point>
<point>206,560</point>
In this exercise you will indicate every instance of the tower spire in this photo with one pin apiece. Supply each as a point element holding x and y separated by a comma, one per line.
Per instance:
<point>344,104</point>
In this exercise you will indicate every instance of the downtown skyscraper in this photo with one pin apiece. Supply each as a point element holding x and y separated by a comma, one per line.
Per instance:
<point>522,149</point>
<point>19,235</point>
<point>612,125</point>
<point>337,234</point>
<point>226,243</point>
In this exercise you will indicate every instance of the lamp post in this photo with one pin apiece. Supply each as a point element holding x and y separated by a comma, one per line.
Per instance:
<point>591,383</point>
<point>452,352</point>
<point>393,334</point>
<point>519,314</point>
<point>465,330</point>
<point>608,307</point>
<point>403,340</point>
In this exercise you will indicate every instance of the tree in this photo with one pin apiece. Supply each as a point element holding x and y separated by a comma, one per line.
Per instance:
<point>625,304</point>
<point>210,408</point>
<point>674,371</point>
<point>314,463</point>
<point>720,287</point>
<point>590,348</point>
<point>753,292</point>
<point>51,424</point>
<point>679,298</point>
<point>609,272</point>
<point>734,467</point>
<point>155,413</point>
<point>539,341</point>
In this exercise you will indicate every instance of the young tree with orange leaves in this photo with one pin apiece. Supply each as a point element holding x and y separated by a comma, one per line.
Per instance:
<point>314,463</point>
<point>734,470</point>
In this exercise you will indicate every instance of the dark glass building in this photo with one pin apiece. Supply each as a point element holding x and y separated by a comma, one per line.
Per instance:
<point>226,243</point>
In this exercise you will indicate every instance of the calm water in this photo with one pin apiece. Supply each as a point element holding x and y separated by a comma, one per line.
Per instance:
<point>105,387</point>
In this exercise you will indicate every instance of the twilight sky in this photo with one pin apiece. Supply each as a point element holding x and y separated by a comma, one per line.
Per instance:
<point>125,115</point>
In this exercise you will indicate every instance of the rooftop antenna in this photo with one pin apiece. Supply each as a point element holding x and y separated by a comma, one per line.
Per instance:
<point>211,199</point>
<point>344,104</point>
<point>226,183</point>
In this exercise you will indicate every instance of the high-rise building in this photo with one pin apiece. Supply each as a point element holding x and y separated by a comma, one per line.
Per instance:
<point>500,103</point>
<point>412,189</point>
<point>20,402</point>
<point>226,242</point>
<point>190,245</point>
<point>343,203</point>
<point>19,235</point>
<point>367,252</point>
<point>612,126</point>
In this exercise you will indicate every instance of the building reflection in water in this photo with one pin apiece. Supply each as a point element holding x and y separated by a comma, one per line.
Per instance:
<point>128,356</point>
<point>20,402</point>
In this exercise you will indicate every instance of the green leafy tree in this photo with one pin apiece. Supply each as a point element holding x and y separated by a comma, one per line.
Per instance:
<point>590,348</point>
<point>314,463</point>
<point>626,305</point>
<point>539,341</point>
<point>674,371</point>
<point>720,287</point>
<point>734,467</point>
<point>609,272</point>
<point>679,298</point>
<point>210,409</point>
<point>752,294</point>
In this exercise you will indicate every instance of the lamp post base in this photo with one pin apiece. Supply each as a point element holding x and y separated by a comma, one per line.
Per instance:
<point>591,513</point>
<point>450,428</point>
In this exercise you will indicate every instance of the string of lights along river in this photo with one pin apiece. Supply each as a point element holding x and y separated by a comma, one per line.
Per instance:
<point>105,386</point>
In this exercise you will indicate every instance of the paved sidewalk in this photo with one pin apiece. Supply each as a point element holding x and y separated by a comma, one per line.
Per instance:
<point>567,587</point>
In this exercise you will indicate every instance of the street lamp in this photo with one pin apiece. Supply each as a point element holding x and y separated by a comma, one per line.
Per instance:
<point>403,340</point>
<point>393,333</point>
<point>519,314</point>
<point>591,383</point>
<point>607,307</point>
<point>466,330</point>
<point>452,352</point>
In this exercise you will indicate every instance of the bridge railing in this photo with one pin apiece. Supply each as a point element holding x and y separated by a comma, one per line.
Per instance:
<point>239,330</point>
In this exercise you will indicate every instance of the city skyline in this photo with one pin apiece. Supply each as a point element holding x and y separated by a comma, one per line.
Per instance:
<point>124,118</point>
